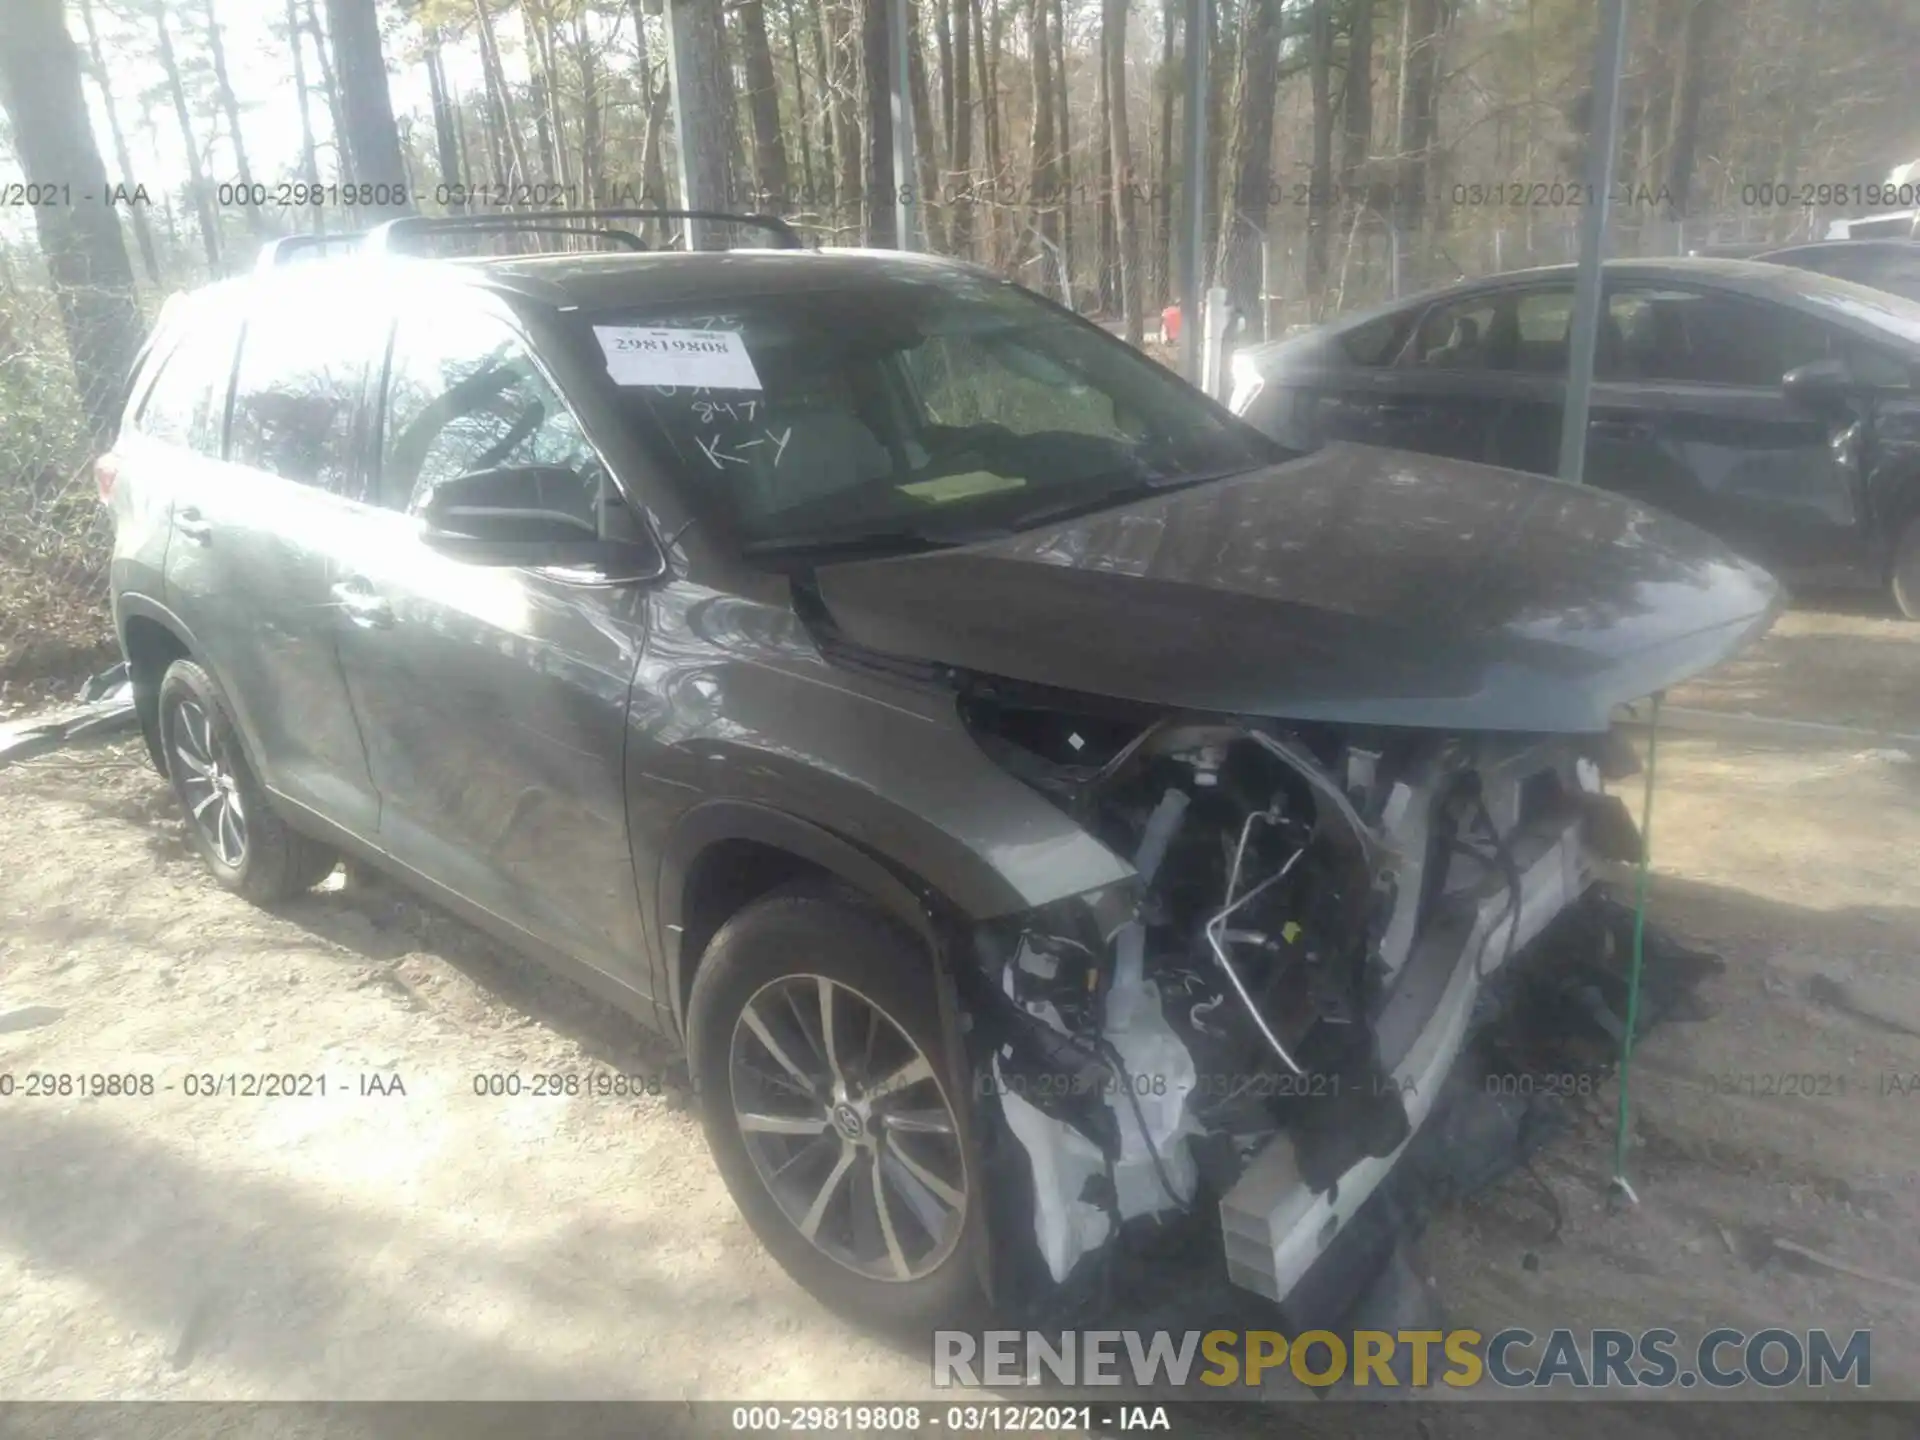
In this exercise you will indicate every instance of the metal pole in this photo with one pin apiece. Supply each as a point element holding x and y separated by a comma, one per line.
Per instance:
<point>905,212</point>
<point>1602,141</point>
<point>1192,269</point>
<point>692,194</point>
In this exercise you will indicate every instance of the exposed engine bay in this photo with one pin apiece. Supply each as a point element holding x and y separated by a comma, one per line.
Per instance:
<point>1259,1021</point>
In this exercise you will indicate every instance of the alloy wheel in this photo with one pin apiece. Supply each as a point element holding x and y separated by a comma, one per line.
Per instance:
<point>208,783</point>
<point>849,1127</point>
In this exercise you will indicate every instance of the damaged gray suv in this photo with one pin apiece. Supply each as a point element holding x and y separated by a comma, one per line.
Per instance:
<point>1044,807</point>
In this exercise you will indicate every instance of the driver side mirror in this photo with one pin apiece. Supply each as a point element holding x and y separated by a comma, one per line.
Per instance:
<point>521,515</point>
<point>1820,385</point>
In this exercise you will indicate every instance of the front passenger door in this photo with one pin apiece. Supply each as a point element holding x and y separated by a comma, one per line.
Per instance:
<point>1780,483</point>
<point>494,700</point>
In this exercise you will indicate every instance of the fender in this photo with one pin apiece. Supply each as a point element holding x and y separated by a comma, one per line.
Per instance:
<point>913,903</point>
<point>126,606</point>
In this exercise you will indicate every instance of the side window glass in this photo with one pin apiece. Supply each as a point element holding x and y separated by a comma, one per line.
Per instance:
<point>1706,339</point>
<point>1376,342</point>
<point>1460,336</point>
<point>1872,366</point>
<point>303,363</point>
<point>463,394</point>
<point>187,402</point>
<point>1542,319</point>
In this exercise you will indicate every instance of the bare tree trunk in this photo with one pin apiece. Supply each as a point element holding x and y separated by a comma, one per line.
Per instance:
<point>1105,240</point>
<point>881,230</point>
<point>1684,124</point>
<point>309,152</point>
<point>142,233</point>
<point>1356,136</point>
<point>1222,67</point>
<point>1419,57</point>
<point>1243,226</point>
<point>443,134</point>
<point>1063,140</point>
<point>943,40</point>
<point>1320,209</point>
<point>592,133</point>
<point>196,174</point>
<point>705,106</point>
<point>500,101</point>
<point>986,40</point>
<point>230,107</point>
<point>1163,193</point>
<point>801,113</point>
<point>847,141</point>
<point>824,65</point>
<point>960,162</point>
<point>653,173</point>
<point>926,156</point>
<point>354,28</point>
<point>86,257</point>
<point>763,103</point>
<point>1042,166</point>
<point>540,76</point>
<point>336,109</point>
<point>1113,28</point>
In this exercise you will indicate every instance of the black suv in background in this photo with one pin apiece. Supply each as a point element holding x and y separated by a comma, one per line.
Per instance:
<point>1007,771</point>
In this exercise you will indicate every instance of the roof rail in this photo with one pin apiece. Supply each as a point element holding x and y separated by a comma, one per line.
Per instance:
<point>288,248</point>
<point>391,237</point>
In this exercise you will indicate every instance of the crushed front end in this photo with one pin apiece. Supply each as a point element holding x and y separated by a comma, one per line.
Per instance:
<point>1253,1028</point>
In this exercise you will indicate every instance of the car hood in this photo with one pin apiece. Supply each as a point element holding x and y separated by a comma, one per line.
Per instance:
<point>1358,585</point>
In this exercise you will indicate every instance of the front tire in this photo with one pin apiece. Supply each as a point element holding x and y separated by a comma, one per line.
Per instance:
<point>249,848</point>
<point>1906,570</point>
<point>814,1038</point>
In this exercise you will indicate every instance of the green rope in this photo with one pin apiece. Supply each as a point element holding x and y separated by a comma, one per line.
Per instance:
<point>1639,955</point>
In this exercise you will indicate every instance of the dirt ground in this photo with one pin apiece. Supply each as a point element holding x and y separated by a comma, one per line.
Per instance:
<point>442,1244</point>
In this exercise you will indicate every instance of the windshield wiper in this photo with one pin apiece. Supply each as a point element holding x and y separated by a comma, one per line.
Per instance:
<point>878,541</point>
<point>1140,489</point>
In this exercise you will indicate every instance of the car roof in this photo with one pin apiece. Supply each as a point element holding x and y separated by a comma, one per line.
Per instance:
<point>1753,277</point>
<point>611,280</point>
<point>593,281</point>
<point>1878,245</point>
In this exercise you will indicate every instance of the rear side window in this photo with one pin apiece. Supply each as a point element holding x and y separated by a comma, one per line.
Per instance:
<point>1542,319</point>
<point>296,399</point>
<point>1460,336</point>
<point>186,404</point>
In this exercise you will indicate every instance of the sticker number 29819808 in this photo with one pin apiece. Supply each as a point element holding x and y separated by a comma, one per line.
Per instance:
<point>647,355</point>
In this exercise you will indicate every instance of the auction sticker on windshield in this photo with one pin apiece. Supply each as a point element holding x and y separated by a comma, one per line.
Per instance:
<point>648,355</point>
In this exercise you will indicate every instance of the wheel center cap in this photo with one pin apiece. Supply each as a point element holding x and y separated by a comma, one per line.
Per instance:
<point>848,1121</point>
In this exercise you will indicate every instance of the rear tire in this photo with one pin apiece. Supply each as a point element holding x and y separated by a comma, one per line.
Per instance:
<point>1906,570</point>
<point>875,1167</point>
<point>230,820</point>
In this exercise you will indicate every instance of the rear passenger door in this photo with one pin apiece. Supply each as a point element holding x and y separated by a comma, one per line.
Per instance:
<point>172,442</point>
<point>1622,416</point>
<point>255,540</point>
<point>1444,390</point>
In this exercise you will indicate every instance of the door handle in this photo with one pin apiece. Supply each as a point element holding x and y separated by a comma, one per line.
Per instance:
<point>189,524</point>
<point>361,606</point>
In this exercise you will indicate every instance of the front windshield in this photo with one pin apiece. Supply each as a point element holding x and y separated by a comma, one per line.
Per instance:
<point>932,409</point>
